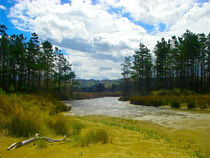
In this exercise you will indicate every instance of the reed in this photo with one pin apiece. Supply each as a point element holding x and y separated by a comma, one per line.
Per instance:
<point>59,124</point>
<point>190,101</point>
<point>23,115</point>
<point>93,136</point>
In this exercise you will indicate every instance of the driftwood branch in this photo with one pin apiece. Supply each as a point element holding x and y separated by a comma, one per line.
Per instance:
<point>21,143</point>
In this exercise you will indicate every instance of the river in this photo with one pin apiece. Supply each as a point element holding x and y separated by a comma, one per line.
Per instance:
<point>165,116</point>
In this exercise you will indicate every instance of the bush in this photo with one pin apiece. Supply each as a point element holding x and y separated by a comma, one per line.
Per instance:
<point>173,92</point>
<point>147,100</point>
<point>191,105</point>
<point>2,91</point>
<point>93,136</point>
<point>41,143</point>
<point>155,101</point>
<point>59,125</point>
<point>124,98</point>
<point>57,107</point>
<point>23,124</point>
<point>76,127</point>
<point>192,101</point>
<point>175,104</point>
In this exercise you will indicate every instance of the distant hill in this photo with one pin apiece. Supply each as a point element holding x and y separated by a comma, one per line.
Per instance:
<point>91,85</point>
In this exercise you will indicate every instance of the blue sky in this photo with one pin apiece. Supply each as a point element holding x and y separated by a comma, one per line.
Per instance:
<point>13,30</point>
<point>97,35</point>
<point>6,21</point>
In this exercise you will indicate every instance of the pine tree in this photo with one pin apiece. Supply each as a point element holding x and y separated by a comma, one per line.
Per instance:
<point>48,57</point>
<point>126,73</point>
<point>142,68</point>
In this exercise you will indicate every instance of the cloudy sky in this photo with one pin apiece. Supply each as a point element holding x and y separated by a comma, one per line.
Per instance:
<point>96,35</point>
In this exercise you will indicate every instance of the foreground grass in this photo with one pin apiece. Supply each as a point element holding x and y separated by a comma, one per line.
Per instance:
<point>103,136</point>
<point>92,136</point>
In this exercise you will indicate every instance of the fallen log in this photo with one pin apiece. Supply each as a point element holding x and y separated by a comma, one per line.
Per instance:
<point>22,143</point>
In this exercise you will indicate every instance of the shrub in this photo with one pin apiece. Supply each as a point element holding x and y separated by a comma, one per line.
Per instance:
<point>155,101</point>
<point>23,124</point>
<point>93,136</point>
<point>192,101</point>
<point>59,125</point>
<point>3,120</point>
<point>175,104</point>
<point>147,100</point>
<point>2,91</point>
<point>41,143</point>
<point>124,98</point>
<point>191,105</point>
<point>58,107</point>
<point>76,127</point>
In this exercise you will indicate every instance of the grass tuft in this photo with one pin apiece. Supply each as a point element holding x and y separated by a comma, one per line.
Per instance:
<point>23,115</point>
<point>41,143</point>
<point>59,124</point>
<point>23,124</point>
<point>93,136</point>
<point>76,127</point>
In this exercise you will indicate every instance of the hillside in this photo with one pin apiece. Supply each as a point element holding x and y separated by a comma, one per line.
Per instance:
<point>91,85</point>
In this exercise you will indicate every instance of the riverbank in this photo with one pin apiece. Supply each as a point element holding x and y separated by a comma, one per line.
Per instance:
<point>126,138</point>
<point>92,136</point>
<point>91,95</point>
<point>185,101</point>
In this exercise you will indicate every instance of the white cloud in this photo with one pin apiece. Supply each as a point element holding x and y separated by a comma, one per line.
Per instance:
<point>197,19</point>
<point>2,7</point>
<point>98,37</point>
<point>152,11</point>
<point>82,27</point>
<point>89,67</point>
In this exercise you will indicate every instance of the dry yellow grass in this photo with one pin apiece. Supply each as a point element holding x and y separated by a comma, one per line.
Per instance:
<point>96,136</point>
<point>127,138</point>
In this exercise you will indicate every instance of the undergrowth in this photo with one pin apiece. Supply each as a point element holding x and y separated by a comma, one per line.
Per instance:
<point>23,115</point>
<point>92,136</point>
<point>189,101</point>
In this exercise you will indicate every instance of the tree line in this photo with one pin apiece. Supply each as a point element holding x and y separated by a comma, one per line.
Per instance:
<point>32,65</point>
<point>180,62</point>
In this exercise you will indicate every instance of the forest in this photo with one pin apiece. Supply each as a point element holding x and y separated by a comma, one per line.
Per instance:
<point>31,65</point>
<point>180,62</point>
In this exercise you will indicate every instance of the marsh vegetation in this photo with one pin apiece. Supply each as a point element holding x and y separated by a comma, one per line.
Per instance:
<point>92,136</point>
<point>33,73</point>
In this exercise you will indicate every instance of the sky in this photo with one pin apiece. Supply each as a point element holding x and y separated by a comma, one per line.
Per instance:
<point>96,35</point>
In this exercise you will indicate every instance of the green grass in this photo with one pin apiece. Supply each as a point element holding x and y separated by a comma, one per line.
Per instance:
<point>76,127</point>
<point>173,92</point>
<point>23,115</point>
<point>198,154</point>
<point>41,143</point>
<point>106,137</point>
<point>190,101</point>
<point>92,136</point>
<point>24,124</point>
<point>59,124</point>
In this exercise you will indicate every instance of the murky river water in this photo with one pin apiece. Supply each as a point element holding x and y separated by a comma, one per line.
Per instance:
<point>112,107</point>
